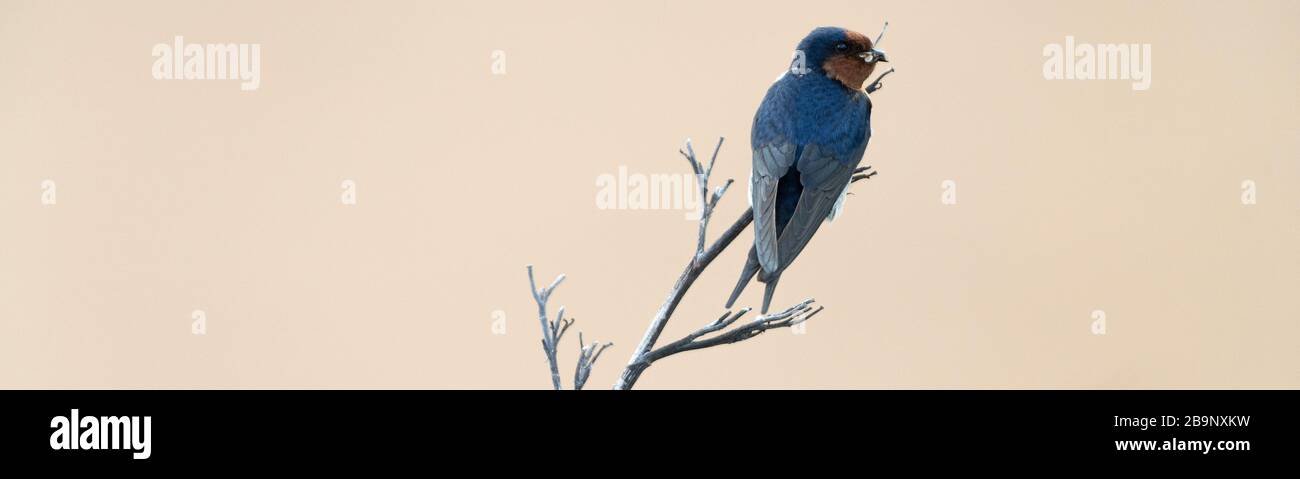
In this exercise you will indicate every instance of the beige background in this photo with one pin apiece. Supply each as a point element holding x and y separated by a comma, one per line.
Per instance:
<point>1072,196</point>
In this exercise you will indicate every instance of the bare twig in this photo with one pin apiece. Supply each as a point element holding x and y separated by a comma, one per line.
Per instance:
<point>553,331</point>
<point>702,180</point>
<point>645,354</point>
<point>794,315</point>
<point>876,85</point>
<point>550,329</point>
<point>587,356</point>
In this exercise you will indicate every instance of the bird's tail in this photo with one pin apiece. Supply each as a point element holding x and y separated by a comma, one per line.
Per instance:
<point>746,274</point>
<point>752,268</point>
<point>770,290</point>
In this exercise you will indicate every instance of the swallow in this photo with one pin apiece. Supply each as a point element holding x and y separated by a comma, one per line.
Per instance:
<point>808,136</point>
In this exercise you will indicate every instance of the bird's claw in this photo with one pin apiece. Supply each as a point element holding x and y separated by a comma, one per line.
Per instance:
<point>863,173</point>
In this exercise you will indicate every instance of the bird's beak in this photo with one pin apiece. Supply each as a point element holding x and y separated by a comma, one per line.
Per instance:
<point>873,56</point>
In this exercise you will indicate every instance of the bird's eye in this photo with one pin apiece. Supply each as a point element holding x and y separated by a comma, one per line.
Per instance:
<point>842,47</point>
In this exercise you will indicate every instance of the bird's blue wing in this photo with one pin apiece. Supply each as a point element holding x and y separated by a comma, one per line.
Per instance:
<point>824,176</point>
<point>771,162</point>
<point>823,149</point>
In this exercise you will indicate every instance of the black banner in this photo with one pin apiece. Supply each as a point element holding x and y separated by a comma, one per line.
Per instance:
<point>149,428</point>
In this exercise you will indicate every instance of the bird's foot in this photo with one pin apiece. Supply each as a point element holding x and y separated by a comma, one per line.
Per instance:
<point>863,173</point>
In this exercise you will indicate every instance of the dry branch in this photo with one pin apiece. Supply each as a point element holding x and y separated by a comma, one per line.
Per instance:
<point>553,331</point>
<point>644,354</point>
<point>709,335</point>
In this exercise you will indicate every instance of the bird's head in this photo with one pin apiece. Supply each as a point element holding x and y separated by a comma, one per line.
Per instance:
<point>846,56</point>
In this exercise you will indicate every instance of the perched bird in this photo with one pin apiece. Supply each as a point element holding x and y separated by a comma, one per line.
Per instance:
<point>808,137</point>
